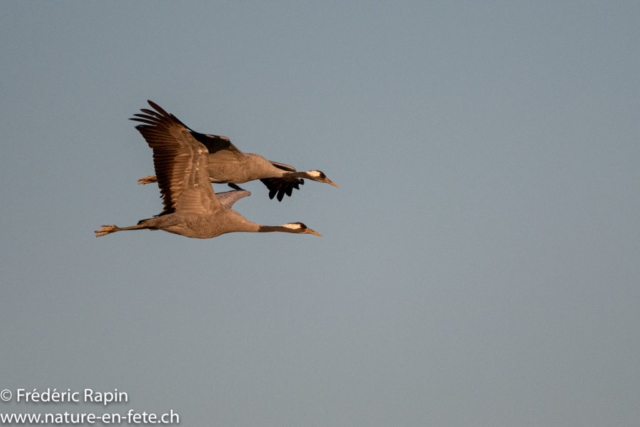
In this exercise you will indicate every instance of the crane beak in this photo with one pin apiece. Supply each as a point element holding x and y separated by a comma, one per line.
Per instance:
<point>310,231</point>
<point>328,181</point>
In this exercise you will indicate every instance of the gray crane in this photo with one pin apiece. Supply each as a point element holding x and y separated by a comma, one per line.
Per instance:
<point>227,164</point>
<point>191,208</point>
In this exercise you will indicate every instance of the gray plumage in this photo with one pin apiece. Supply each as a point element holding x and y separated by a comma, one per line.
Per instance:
<point>227,164</point>
<point>191,208</point>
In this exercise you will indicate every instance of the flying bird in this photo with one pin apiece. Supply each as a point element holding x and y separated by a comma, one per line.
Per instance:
<point>227,164</point>
<point>191,208</point>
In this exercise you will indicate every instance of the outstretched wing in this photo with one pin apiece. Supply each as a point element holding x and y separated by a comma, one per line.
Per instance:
<point>228,198</point>
<point>283,166</point>
<point>180,162</point>
<point>284,185</point>
<point>220,148</point>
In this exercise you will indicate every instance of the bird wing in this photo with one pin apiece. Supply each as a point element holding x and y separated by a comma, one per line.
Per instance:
<point>216,144</point>
<point>283,166</point>
<point>282,186</point>
<point>180,162</point>
<point>220,148</point>
<point>228,198</point>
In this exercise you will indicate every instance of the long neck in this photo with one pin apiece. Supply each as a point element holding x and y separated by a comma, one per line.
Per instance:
<point>272,228</point>
<point>304,174</point>
<point>240,223</point>
<point>235,222</point>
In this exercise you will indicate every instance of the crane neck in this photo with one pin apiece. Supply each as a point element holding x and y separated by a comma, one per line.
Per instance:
<point>303,174</point>
<point>273,228</point>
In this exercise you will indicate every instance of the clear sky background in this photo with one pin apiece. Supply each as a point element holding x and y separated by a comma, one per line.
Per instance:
<point>480,260</point>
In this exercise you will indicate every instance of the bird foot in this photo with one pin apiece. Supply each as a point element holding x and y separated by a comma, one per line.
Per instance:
<point>106,229</point>
<point>147,180</point>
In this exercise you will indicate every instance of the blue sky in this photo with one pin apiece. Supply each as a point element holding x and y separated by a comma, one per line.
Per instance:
<point>479,264</point>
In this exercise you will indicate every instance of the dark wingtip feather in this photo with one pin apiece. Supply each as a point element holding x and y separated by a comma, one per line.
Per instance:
<point>158,108</point>
<point>279,187</point>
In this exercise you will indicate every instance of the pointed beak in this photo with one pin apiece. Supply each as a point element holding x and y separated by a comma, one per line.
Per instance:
<point>328,181</point>
<point>310,231</point>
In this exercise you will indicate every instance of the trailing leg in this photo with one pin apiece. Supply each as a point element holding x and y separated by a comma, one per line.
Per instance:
<point>147,180</point>
<point>108,229</point>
